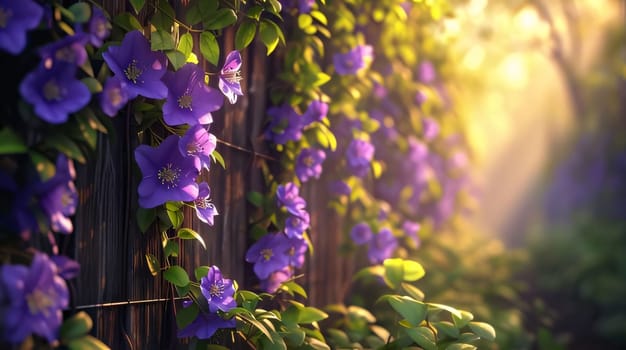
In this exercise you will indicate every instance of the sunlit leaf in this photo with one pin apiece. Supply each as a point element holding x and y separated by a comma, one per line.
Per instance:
<point>245,34</point>
<point>176,275</point>
<point>187,233</point>
<point>209,47</point>
<point>483,330</point>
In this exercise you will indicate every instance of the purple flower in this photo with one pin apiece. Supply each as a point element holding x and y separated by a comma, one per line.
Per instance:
<point>218,291</point>
<point>309,164</point>
<point>198,142</point>
<point>288,197</point>
<point>167,175</point>
<point>36,296</point>
<point>296,225</point>
<point>99,27</point>
<point>316,111</point>
<point>410,229</point>
<point>420,97</point>
<point>66,267</point>
<point>430,128</point>
<point>426,72</point>
<point>381,246</point>
<point>361,233</point>
<point>286,125</point>
<point>269,254</point>
<point>54,92</point>
<point>230,76</point>
<point>359,156</point>
<point>297,247</point>
<point>17,17</point>
<point>114,96</point>
<point>205,325</point>
<point>354,60</point>
<point>340,188</point>
<point>205,210</point>
<point>138,66</point>
<point>70,50</point>
<point>58,196</point>
<point>276,279</point>
<point>189,99</point>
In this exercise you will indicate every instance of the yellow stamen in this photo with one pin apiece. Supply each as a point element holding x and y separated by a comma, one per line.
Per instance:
<point>133,72</point>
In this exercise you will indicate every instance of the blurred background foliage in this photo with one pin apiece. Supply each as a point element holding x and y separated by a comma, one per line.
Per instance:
<point>539,88</point>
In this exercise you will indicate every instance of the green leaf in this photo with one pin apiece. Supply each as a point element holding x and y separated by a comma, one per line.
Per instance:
<point>153,264</point>
<point>177,276</point>
<point>145,218</point>
<point>394,272</point>
<point>423,336</point>
<point>76,326</point>
<point>269,36</point>
<point>412,310</point>
<point>161,40</point>
<point>255,198</point>
<point>222,18</point>
<point>177,58</point>
<point>137,5</point>
<point>176,218</point>
<point>200,11</point>
<point>462,321</point>
<point>447,328</point>
<point>87,343</point>
<point>321,79</point>
<point>81,12</point>
<point>254,12</point>
<point>483,330</point>
<point>276,6</point>
<point>209,47</point>
<point>127,22</point>
<point>185,44</point>
<point>310,314</point>
<point>245,34</point>
<point>171,248</point>
<point>321,17</point>
<point>201,271</point>
<point>65,145</point>
<point>217,157</point>
<point>304,20</point>
<point>11,142</point>
<point>292,287</point>
<point>456,313</point>
<point>258,325</point>
<point>92,84</point>
<point>186,315</point>
<point>273,342</point>
<point>461,346</point>
<point>163,19</point>
<point>187,233</point>
<point>413,270</point>
<point>413,291</point>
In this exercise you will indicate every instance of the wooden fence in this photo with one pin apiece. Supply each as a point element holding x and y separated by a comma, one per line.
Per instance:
<point>130,308</point>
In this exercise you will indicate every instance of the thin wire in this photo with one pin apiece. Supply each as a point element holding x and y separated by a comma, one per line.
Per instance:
<point>129,302</point>
<point>254,153</point>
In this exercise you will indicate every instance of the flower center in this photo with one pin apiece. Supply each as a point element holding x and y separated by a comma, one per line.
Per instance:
<point>185,101</point>
<point>115,96</point>
<point>203,203</point>
<point>5,16</point>
<point>39,301</point>
<point>267,253</point>
<point>133,72</point>
<point>232,76</point>
<point>308,161</point>
<point>292,251</point>
<point>101,28</point>
<point>168,175</point>
<point>52,90</point>
<point>216,290</point>
<point>194,148</point>
<point>65,54</point>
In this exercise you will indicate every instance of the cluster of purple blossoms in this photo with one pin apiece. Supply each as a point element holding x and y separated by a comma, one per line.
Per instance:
<point>34,299</point>
<point>276,255</point>
<point>52,87</point>
<point>171,169</point>
<point>219,293</point>
<point>304,6</point>
<point>287,124</point>
<point>353,61</point>
<point>309,164</point>
<point>380,246</point>
<point>359,156</point>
